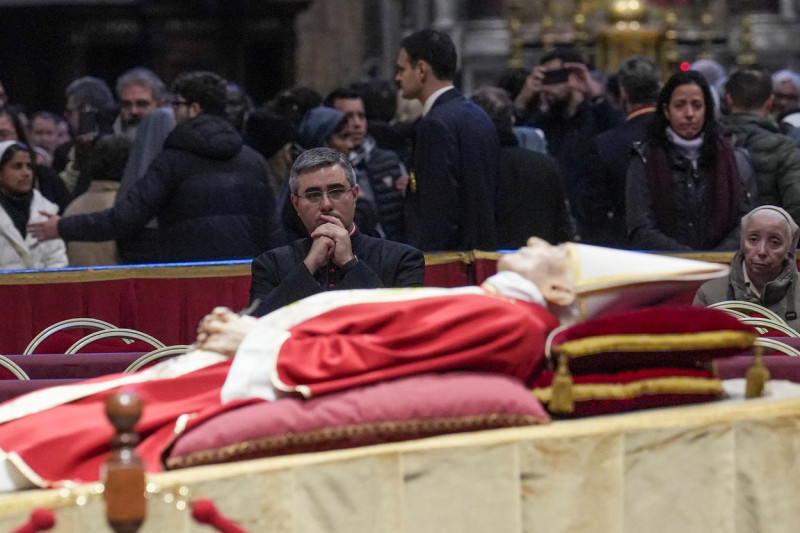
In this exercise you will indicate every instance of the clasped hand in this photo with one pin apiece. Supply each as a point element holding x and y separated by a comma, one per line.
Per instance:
<point>331,242</point>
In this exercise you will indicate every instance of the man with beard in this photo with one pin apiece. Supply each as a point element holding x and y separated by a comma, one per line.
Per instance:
<point>572,107</point>
<point>139,92</point>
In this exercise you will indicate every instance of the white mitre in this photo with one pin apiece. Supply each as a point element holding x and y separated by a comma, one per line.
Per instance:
<point>608,279</point>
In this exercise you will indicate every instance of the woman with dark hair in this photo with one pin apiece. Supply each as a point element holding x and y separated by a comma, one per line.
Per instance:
<point>44,178</point>
<point>684,190</point>
<point>21,204</point>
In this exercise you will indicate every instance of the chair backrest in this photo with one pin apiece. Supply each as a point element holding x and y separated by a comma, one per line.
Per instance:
<point>157,355</point>
<point>11,370</point>
<point>115,333</point>
<point>778,346</point>
<point>768,327</point>
<point>51,332</point>
<point>747,308</point>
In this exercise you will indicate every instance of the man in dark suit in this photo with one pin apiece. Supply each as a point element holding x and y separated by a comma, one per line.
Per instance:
<point>454,162</point>
<point>601,209</point>
<point>335,255</point>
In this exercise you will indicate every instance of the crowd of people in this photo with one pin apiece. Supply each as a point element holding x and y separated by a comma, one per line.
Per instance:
<point>196,171</point>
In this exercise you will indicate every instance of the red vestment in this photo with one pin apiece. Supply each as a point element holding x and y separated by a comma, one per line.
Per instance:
<point>351,345</point>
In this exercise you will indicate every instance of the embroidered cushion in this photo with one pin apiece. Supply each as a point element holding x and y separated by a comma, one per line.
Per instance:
<point>661,336</point>
<point>408,408</point>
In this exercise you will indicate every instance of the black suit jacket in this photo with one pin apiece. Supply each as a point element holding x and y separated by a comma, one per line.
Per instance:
<point>455,157</point>
<point>279,276</point>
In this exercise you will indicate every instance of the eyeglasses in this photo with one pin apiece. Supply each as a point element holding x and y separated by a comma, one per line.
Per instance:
<point>334,195</point>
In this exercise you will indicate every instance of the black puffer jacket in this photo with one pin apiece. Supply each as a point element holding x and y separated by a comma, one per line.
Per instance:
<point>382,168</point>
<point>211,195</point>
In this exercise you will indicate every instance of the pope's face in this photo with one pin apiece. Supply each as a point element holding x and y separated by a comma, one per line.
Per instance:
<point>545,265</point>
<point>766,244</point>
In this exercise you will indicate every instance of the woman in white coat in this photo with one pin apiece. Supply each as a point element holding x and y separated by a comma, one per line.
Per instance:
<point>21,204</point>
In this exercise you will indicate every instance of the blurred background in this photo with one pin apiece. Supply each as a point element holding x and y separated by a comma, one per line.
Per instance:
<point>267,46</point>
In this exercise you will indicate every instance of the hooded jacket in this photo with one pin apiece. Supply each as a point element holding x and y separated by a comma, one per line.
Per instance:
<point>211,195</point>
<point>774,156</point>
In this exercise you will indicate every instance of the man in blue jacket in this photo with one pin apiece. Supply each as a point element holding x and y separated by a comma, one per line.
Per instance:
<point>451,192</point>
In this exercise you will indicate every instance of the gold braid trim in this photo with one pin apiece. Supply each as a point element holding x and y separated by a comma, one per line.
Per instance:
<point>706,340</point>
<point>582,392</point>
<point>442,258</point>
<point>348,436</point>
<point>118,273</point>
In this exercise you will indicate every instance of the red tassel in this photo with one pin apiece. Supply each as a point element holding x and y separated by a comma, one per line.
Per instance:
<point>205,512</point>
<point>41,520</point>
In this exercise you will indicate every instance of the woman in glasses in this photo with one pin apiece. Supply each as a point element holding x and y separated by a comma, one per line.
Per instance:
<point>20,204</point>
<point>684,190</point>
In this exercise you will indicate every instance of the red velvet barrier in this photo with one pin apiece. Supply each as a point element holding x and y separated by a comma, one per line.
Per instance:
<point>12,388</point>
<point>780,367</point>
<point>449,269</point>
<point>166,302</point>
<point>77,366</point>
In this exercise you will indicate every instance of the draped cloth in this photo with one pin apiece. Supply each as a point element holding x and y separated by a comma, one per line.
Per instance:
<point>318,345</point>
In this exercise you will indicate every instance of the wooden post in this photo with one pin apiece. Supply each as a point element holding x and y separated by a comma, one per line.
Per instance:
<point>124,471</point>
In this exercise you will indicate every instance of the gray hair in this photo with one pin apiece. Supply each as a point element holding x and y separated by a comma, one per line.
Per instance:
<point>316,158</point>
<point>786,75</point>
<point>792,230</point>
<point>144,78</point>
<point>89,91</point>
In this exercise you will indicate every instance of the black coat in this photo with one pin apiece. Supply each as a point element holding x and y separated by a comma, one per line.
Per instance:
<point>601,209</point>
<point>280,277</point>
<point>211,195</point>
<point>530,197</point>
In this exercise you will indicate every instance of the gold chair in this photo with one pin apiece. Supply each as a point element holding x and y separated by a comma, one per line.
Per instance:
<point>160,353</point>
<point>778,346</point>
<point>13,368</point>
<point>764,325</point>
<point>70,323</point>
<point>114,333</point>
<point>748,308</point>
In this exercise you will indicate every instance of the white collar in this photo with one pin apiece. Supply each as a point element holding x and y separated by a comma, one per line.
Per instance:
<point>514,285</point>
<point>749,284</point>
<point>432,98</point>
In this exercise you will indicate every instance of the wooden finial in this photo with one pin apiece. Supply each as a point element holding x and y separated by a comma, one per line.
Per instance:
<point>124,471</point>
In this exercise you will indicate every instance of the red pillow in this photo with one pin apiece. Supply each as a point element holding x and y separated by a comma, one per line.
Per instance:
<point>407,408</point>
<point>680,336</point>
